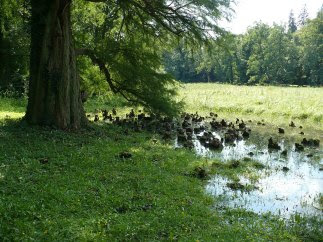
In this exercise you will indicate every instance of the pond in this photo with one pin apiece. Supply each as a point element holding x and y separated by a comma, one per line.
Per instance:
<point>292,182</point>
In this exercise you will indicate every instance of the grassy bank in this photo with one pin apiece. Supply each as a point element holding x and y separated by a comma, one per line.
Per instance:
<point>274,104</point>
<point>75,186</point>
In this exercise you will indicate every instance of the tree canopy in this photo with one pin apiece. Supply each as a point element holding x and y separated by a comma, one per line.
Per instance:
<point>118,41</point>
<point>125,40</point>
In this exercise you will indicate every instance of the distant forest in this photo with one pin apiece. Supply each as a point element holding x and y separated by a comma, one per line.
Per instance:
<point>277,55</point>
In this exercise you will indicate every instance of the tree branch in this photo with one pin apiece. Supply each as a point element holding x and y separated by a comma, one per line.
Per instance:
<point>115,89</point>
<point>101,65</point>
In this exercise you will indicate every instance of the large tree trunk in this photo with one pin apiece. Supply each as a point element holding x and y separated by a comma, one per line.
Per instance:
<point>54,90</point>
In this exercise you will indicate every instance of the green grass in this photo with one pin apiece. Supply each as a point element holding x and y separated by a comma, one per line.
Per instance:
<point>12,108</point>
<point>233,169</point>
<point>86,192</point>
<point>274,104</point>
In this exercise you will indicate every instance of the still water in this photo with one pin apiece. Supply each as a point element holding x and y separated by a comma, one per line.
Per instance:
<point>280,191</point>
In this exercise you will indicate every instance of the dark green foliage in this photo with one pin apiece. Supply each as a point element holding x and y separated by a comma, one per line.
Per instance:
<point>303,17</point>
<point>181,64</point>
<point>292,27</point>
<point>311,50</point>
<point>264,55</point>
<point>125,40</point>
<point>14,46</point>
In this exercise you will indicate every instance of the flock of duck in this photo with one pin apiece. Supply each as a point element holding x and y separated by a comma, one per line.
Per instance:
<point>189,127</point>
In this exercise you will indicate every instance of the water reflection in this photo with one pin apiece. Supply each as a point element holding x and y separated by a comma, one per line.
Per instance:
<point>281,192</point>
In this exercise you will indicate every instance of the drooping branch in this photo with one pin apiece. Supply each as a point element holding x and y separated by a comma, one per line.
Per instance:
<point>116,87</point>
<point>100,64</point>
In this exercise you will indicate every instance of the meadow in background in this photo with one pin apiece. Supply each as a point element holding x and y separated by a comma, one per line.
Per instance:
<point>274,104</point>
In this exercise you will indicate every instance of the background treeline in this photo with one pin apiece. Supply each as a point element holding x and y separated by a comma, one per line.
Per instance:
<point>263,55</point>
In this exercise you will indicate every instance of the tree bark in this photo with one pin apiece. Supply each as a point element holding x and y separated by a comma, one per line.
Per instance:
<point>54,89</point>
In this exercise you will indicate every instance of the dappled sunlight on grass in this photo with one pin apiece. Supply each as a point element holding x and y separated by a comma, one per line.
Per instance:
<point>11,115</point>
<point>12,104</point>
